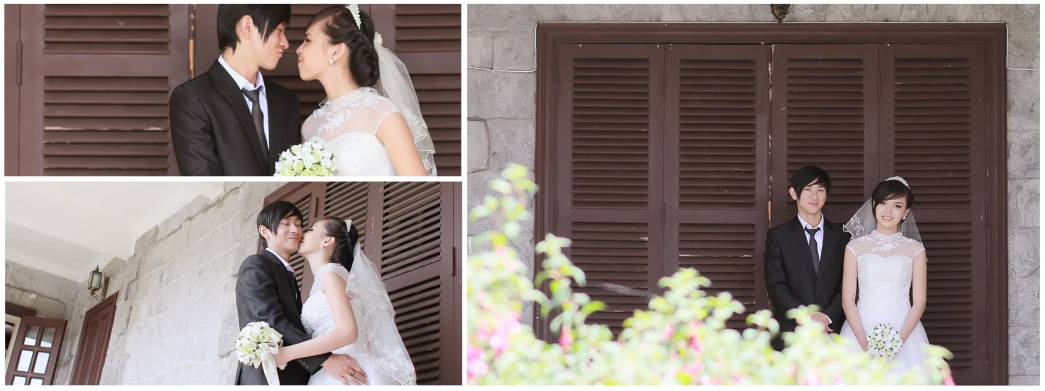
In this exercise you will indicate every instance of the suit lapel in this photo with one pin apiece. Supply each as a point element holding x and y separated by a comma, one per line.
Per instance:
<point>830,240</point>
<point>281,137</point>
<point>232,94</point>
<point>287,277</point>
<point>799,236</point>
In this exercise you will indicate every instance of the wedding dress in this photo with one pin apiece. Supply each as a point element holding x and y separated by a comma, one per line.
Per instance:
<point>379,349</point>
<point>884,273</point>
<point>347,127</point>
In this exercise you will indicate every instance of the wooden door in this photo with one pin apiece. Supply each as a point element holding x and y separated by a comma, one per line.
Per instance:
<point>94,342</point>
<point>38,343</point>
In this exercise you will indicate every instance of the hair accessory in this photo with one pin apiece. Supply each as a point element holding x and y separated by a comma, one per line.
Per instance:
<point>354,9</point>
<point>898,179</point>
<point>378,39</point>
<point>348,223</point>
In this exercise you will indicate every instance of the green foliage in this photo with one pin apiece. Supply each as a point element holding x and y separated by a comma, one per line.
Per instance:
<point>681,339</point>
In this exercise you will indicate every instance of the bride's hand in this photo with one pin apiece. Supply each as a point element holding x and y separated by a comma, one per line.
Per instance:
<point>281,357</point>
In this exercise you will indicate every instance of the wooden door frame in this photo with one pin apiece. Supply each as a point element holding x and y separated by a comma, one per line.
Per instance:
<point>991,35</point>
<point>12,82</point>
<point>54,352</point>
<point>81,346</point>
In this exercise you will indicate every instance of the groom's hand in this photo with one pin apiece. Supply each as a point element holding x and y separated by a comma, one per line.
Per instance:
<point>346,370</point>
<point>820,317</point>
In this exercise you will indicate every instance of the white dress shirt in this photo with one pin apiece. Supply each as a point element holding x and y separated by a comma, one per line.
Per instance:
<point>242,82</point>
<point>281,260</point>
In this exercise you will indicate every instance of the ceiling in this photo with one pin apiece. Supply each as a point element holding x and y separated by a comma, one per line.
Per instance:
<point>68,228</point>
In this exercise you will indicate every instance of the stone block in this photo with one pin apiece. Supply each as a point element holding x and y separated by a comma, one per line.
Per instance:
<point>917,12</point>
<point>501,94</point>
<point>480,49</point>
<point>1024,254</point>
<point>72,291</point>
<point>597,13</point>
<point>1024,380</point>
<point>515,50</point>
<point>1022,18</point>
<point>512,141</point>
<point>985,13</point>
<point>502,17</point>
<point>1024,351</point>
<point>1023,203</point>
<point>49,308</point>
<point>49,285</point>
<point>1023,51</point>
<point>478,146</point>
<point>1024,152</point>
<point>22,277</point>
<point>1024,302</point>
<point>1023,100</point>
<point>478,189</point>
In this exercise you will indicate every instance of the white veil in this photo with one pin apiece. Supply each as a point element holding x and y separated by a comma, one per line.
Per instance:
<point>864,222</point>
<point>394,83</point>
<point>378,331</point>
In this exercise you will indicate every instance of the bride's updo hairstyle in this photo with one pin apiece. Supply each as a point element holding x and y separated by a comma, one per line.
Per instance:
<point>345,239</point>
<point>340,27</point>
<point>891,190</point>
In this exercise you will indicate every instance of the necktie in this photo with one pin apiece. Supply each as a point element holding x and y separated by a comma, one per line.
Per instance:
<point>259,117</point>
<point>812,248</point>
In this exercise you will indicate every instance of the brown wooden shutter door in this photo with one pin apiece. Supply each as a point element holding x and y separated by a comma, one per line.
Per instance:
<point>94,342</point>
<point>717,169</point>
<point>38,342</point>
<point>610,192</point>
<point>101,75</point>
<point>933,131</point>
<point>825,113</point>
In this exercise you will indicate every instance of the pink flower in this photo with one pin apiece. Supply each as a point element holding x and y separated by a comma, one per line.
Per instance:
<point>838,380</point>
<point>566,339</point>
<point>477,368</point>
<point>706,381</point>
<point>948,381</point>
<point>669,332</point>
<point>812,380</point>
<point>501,333</point>
<point>695,343</point>
<point>695,368</point>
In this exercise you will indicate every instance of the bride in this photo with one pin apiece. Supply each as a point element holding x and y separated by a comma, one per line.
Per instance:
<point>371,131</point>
<point>885,260</point>
<point>348,310</point>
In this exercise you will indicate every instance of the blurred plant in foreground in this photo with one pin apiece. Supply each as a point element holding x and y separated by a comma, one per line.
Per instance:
<point>681,339</point>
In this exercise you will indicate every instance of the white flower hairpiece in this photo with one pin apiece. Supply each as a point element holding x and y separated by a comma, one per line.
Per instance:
<point>899,179</point>
<point>348,223</point>
<point>354,9</point>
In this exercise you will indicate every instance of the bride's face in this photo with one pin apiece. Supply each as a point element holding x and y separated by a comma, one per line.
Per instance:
<point>891,212</point>
<point>315,238</point>
<point>315,53</point>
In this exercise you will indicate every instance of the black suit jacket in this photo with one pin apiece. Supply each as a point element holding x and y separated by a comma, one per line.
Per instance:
<point>267,292</point>
<point>791,279</point>
<point>213,132</point>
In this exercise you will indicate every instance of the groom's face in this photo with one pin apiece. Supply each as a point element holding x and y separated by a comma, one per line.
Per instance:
<point>267,51</point>
<point>288,234</point>
<point>812,198</point>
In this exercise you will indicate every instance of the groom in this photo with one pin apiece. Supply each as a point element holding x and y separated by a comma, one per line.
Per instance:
<point>804,257</point>
<point>266,291</point>
<point>230,120</point>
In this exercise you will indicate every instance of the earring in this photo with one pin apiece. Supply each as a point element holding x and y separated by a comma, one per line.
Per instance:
<point>332,61</point>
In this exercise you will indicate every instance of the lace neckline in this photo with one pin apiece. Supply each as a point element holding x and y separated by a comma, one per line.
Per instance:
<point>326,267</point>
<point>881,236</point>
<point>350,99</point>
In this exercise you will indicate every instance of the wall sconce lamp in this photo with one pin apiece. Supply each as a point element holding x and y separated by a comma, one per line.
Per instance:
<point>97,282</point>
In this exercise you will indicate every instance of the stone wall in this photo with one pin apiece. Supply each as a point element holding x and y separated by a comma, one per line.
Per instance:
<point>175,319</point>
<point>502,90</point>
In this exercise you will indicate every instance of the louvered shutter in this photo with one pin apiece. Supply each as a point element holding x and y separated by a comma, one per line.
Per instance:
<point>105,72</point>
<point>825,113</point>
<point>716,168</point>
<point>933,130</point>
<point>417,266</point>
<point>609,198</point>
<point>349,200</point>
<point>427,38</point>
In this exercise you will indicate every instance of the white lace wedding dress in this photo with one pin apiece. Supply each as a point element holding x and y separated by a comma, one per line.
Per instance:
<point>884,272</point>
<point>379,349</point>
<point>347,127</point>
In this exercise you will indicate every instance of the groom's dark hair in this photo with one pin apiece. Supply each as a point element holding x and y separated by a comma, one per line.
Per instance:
<point>810,175</point>
<point>266,18</point>
<point>273,213</point>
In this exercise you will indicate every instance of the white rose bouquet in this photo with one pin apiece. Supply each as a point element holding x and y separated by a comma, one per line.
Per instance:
<point>884,342</point>
<point>256,344</point>
<point>307,159</point>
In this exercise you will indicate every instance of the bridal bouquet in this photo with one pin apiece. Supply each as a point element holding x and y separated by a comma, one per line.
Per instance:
<point>884,342</point>
<point>255,346</point>
<point>307,159</point>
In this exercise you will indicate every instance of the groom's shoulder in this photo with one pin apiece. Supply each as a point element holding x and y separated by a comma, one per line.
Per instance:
<point>253,261</point>
<point>199,83</point>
